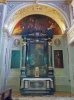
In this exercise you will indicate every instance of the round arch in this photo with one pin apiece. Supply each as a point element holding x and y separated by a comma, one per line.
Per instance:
<point>25,10</point>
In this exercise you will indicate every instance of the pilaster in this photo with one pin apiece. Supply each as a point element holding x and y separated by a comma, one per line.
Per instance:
<point>2,18</point>
<point>70,35</point>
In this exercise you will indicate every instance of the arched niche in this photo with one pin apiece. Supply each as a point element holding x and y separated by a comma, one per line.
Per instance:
<point>32,9</point>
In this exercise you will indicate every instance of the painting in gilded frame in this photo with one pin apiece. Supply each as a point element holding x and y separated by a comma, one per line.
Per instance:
<point>58,59</point>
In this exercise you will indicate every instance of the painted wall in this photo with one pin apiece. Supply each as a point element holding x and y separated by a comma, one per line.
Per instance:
<point>71,66</point>
<point>14,73</point>
<point>62,75</point>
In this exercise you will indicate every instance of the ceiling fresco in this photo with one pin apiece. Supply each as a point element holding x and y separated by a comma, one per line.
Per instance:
<point>36,22</point>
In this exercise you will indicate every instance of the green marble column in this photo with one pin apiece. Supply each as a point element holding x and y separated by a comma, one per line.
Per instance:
<point>23,54</point>
<point>50,54</point>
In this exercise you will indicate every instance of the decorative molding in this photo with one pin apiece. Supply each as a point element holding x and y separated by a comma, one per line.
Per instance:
<point>13,5</point>
<point>3,1</point>
<point>69,1</point>
<point>64,6</point>
<point>16,42</point>
<point>57,42</point>
<point>70,35</point>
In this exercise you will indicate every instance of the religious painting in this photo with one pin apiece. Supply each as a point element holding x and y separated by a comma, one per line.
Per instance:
<point>58,59</point>
<point>36,22</point>
<point>37,54</point>
<point>36,60</point>
<point>15,59</point>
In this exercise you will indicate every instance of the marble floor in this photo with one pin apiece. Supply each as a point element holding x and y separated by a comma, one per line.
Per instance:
<point>56,96</point>
<point>44,98</point>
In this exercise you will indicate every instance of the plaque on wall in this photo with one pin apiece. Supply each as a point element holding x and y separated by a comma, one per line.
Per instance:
<point>57,42</point>
<point>16,42</point>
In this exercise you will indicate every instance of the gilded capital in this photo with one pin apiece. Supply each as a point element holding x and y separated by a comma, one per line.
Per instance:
<point>50,43</point>
<point>23,43</point>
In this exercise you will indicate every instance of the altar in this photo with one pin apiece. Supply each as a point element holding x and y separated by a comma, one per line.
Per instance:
<point>36,76</point>
<point>37,86</point>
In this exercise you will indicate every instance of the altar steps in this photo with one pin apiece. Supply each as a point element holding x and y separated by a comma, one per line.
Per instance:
<point>37,91</point>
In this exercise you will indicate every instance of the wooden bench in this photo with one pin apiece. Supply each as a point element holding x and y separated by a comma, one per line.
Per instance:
<point>6,94</point>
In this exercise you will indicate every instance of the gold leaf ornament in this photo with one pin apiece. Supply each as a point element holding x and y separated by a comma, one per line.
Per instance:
<point>3,1</point>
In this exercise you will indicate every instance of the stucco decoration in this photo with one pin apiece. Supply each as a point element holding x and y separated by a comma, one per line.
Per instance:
<point>37,9</point>
<point>13,5</point>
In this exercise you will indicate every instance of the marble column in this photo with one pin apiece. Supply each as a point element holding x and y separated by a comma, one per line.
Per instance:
<point>3,11</point>
<point>23,54</point>
<point>50,53</point>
